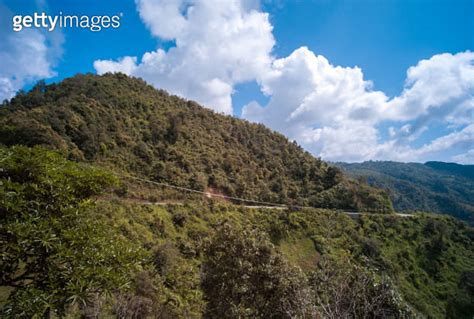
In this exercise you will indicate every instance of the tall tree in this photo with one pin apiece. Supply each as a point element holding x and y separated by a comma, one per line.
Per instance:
<point>53,251</point>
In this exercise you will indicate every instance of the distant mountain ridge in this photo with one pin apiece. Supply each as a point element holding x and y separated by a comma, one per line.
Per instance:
<point>439,187</point>
<point>453,168</point>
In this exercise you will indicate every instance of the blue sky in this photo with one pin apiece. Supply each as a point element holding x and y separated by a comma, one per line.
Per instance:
<point>351,50</point>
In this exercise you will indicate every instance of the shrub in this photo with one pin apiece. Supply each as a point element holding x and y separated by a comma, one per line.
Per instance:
<point>243,276</point>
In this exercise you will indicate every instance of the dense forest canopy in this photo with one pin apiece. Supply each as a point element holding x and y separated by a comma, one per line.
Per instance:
<point>463,170</point>
<point>66,253</point>
<point>129,126</point>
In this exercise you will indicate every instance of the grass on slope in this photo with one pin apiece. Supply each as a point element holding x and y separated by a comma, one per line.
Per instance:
<point>426,255</point>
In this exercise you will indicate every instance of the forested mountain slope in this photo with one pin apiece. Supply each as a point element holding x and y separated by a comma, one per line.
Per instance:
<point>435,186</point>
<point>130,127</point>
<point>77,240</point>
<point>68,253</point>
<point>463,170</point>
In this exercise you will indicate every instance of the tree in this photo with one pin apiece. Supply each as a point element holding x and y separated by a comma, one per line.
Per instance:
<point>345,290</point>
<point>462,304</point>
<point>243,277</point>
<point>53,251</point>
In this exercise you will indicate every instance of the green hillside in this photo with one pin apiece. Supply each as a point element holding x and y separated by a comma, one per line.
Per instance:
<point>79,239</point>
<point>126,125</point>
<point>70,250</point>
<point>434,187</point>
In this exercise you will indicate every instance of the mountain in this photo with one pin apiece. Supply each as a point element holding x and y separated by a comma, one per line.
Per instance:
<point>439,187</point>
<point>126,125</point>
<point>453,168</point>
<point>80,239</point>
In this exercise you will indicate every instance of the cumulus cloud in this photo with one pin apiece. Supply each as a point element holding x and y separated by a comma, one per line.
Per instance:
<point>124,65</point>
<point>436,87</point>
<point>333,112</point>
<point>218,45</point>
<point>465,158</point>
<point>329,109</point>
<point>25,56</point>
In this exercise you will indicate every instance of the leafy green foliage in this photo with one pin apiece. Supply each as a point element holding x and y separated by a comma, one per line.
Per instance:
<point>124,124</point>
<point>434,187</point>
<point>401,256</point>
<point>461,305</point>
<point>244,278</point>
<point>172,278</point>
<point>346,290</point>
<point>427,255</point>
<point>53,253</point>
<point>424,261</point>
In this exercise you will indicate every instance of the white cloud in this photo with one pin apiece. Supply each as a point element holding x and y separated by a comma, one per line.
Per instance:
<point>435,87</point>
<point>333,112</point>
<point>466,158</point>
<point>6,88</point>
<point>329,109</point>
<point>464,136</point>
<point>25,56</point>
<point>165,19</point>
<point>218,44</point>
<point>124,65</point>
